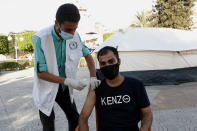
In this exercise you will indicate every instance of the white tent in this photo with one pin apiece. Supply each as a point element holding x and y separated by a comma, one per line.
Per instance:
<point>154,49</point>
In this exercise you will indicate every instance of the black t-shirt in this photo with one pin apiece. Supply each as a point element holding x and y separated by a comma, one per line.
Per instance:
<point>118,107</point>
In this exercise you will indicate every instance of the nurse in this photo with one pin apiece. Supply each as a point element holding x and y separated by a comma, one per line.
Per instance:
<point>58,49</point>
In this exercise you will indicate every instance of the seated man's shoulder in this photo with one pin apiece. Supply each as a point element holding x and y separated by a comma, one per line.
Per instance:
<point>101,86</point>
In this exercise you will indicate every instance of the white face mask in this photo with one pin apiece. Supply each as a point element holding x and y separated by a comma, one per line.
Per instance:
<point>65,35</point>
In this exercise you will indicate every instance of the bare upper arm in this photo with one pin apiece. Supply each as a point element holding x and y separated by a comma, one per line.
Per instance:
<point>89,104</point>
<point>146,110</point>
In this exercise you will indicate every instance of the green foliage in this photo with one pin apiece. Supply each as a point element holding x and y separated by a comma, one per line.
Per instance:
<point>11,43</point>
<point>13,65</point>
<point>3,44</point>
<point>107,35</point>
<point>173,14</point>
<point>143,19</point>
<point>25,44</point>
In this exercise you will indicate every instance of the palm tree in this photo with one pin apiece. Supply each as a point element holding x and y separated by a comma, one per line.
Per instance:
<point>143,19</point>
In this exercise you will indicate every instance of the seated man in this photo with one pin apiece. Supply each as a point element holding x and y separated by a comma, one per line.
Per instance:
<point>121,102</point>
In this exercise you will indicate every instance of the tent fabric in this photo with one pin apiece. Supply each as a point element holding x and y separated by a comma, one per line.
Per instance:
<point>137,39</point>
<point>154,48</point>
<point>157,60</point>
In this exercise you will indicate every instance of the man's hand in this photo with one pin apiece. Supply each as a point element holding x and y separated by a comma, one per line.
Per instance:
<point>94,83</point>
<point>75,84</point>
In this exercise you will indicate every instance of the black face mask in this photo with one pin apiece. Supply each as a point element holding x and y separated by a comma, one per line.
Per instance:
<point>110,72</point>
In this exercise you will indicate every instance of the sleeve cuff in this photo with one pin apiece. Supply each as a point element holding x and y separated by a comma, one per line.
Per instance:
<point>86,52</point>
<point>42,68</point>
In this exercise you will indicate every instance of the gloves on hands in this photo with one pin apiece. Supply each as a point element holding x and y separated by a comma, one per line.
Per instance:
<point>94,83</point>
<point>75,84</point>
<point>79,85</point>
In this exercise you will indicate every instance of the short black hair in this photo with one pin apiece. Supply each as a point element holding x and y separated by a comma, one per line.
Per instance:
<point>67,12</point>
<point>106,49</point>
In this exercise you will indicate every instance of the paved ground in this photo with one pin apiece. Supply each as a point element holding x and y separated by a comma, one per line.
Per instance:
<point>174,107</point>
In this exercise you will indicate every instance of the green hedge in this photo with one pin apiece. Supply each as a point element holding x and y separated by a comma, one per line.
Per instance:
<point>3,44</point>
<point>26,44</point>
<point>13,65</point>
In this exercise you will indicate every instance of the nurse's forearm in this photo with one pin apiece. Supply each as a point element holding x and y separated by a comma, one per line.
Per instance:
<point>91,65</point>
<point>50,77</point>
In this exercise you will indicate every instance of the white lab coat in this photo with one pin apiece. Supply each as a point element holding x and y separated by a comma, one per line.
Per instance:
<point>44,92</point>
